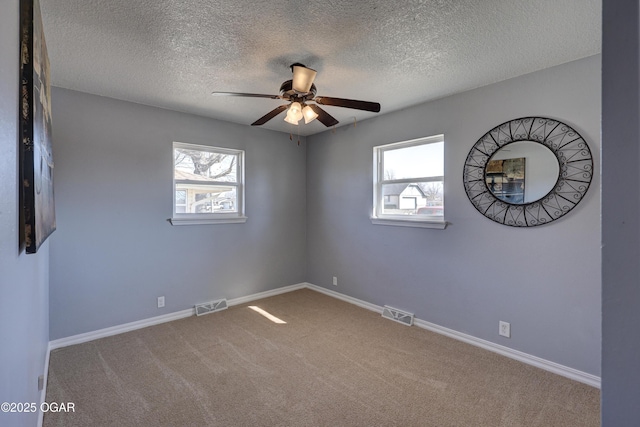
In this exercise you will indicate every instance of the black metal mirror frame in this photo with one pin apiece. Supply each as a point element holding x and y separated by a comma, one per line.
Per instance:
<point>574,159</point>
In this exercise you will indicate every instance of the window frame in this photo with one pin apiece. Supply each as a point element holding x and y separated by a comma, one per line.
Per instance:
<point>377,215</point>
<point>212,217</point>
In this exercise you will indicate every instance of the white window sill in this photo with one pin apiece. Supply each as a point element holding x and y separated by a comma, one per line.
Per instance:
<point>440,225</point>
<point>205,221</point>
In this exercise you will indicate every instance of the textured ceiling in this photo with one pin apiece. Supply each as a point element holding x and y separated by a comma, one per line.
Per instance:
<point>174,53</point>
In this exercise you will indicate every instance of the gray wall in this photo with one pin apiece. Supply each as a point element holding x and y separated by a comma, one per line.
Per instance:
<point>24,279</point>
<point>620,213</point>
<point>114,251</point>
<point>544,280</point>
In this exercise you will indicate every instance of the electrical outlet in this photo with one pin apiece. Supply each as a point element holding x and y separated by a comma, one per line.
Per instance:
<point>160,302</point>
<point>335,281</point>
<point>504,329</point>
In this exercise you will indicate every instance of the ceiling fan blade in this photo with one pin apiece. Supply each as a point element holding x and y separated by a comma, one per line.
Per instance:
<point>302,78</point>
<point>325,118</point>
<point>247,95</point>
<point>348,103</point>
<point>270,115</point>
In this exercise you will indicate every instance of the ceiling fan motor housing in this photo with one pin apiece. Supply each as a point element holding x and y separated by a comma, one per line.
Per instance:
<point>287,92</point>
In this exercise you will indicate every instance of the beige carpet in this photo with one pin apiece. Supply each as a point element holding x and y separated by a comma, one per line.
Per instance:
<point>331,364</point>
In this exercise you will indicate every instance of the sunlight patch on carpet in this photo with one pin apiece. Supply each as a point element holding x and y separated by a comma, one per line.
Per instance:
<point>266,314</point>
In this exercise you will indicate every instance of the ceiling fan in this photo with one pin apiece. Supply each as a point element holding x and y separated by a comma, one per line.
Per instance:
<point>299,92</point>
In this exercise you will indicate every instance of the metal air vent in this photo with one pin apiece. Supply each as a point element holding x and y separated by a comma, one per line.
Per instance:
<point>397,315</point>
<point>210,307</point>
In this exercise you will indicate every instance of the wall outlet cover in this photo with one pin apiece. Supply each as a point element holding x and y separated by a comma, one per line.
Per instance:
<point>504,329</point>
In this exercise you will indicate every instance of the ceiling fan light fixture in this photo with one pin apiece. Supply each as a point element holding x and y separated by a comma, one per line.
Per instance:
<point>290,120</point>
<point>295,110</point>
<point>303,78</point>
<point>291,117</point>
<point>308,114</point>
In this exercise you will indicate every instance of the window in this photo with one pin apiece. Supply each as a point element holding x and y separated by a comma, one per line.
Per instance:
<point>408,183</point>
<point>208,185</point>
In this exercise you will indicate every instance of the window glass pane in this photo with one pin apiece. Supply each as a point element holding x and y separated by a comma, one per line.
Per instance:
<point>181,201</point>
<point>201,199</point>
<point>197,165</point>
<point>414,162</point>
<point>416,198</point>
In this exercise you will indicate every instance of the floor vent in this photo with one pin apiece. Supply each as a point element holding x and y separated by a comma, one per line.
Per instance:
<point>210,307</point>
<point>397,315</point>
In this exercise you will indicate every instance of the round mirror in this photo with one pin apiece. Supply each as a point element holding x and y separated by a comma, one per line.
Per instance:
<point>528,171</point>
<point>522,172</point>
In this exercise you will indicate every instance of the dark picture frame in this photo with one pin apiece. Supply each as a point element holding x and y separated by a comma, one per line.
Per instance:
<point>37,214</point>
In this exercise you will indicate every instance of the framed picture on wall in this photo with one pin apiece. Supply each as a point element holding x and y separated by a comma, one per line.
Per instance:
<point>37,214</point>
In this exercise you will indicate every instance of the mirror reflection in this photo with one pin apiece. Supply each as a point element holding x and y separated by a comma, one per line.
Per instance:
<point>522,172</point>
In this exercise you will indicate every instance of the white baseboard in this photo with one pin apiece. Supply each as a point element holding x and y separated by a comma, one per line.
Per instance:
<point>529,359</point>
<point>43,392</point>
<point>346,298</point>
<point>119,329</point>
<point>266,294</point>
